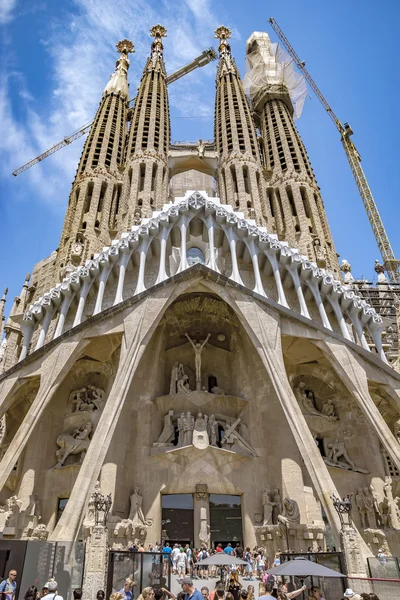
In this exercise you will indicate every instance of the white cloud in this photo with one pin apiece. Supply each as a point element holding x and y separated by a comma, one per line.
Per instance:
<point>6,10</point>
<point>81,51</point>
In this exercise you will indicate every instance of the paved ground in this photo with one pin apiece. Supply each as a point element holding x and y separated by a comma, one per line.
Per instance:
<point>210,583</point>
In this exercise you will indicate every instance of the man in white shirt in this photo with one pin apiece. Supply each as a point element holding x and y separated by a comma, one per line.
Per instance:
<point>174,558</point>
<point>53,594</point>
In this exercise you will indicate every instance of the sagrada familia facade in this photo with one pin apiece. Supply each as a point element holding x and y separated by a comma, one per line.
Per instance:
<point>184,353</point>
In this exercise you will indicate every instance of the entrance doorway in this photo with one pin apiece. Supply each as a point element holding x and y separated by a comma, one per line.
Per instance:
<point>226,519</point>
<point>177,518</point>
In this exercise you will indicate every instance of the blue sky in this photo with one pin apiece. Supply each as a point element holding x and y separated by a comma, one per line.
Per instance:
<point>58,56</point>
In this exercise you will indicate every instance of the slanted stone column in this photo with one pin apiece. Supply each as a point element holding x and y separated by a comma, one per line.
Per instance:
<point>137,326</point>
<point>53,370</point>
<point>264,329</point>
<point>96,558</point>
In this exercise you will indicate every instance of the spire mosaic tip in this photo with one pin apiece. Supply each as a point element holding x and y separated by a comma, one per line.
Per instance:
<point>222,33</point>
<point>158,31</point>
<point>125,46</point>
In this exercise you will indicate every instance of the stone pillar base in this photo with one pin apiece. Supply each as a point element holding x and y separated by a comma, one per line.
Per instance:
<point>96,560</point>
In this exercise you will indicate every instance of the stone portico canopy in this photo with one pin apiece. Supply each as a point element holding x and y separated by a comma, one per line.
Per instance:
<point>68,300</point>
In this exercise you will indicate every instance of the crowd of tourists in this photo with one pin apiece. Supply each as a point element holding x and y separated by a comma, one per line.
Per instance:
<point>227,587</point>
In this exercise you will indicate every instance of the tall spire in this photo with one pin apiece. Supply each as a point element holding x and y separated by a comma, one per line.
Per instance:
<point>146,174</point>
<point>240,177</point>
<point>294,198</point>
<point>95,195</point>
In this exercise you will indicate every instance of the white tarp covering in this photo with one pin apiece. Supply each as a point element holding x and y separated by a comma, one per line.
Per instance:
<point>268,64</point>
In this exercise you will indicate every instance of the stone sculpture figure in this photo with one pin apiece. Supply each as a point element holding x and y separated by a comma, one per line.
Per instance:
<point>200,435</point>
<point>267,506</point>
<point>217,391</point>
<point>386,512</point>
<point>176,374</point>
<point>388,491</point>
<point>136,514</point>
<point>188,426</point>
<point>77,443</point>
<point>168,432</point>
<point>201,148</point>
<point>13,510</point>
<point>87,399</point>
<point>204,533</point>
<point>337,450</point>
<point>3,429</point>
<point>277,506</point>
<point>40,533</point>
<point>181,430</point>
<point>328,409</point>
<point>362,511</point>
<point>182,385</point>
<point>213,430</point>
<point>374,496</point>
<point>198,347</point>
<point>291,512</point>
<point>306,399</point>
<point>369,507</point>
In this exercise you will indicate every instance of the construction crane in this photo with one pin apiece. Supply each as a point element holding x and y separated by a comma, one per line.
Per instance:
<point>200,61</point>
<point>392,265</point>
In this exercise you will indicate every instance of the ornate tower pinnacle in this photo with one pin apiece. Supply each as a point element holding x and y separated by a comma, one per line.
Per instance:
<point>240,178</point>
<point>146,173</point>
<point>119,79</point>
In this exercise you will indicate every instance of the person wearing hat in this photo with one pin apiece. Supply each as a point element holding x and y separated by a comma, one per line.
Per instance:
<point>53,594</point>
<point>191,593</point>
<point>350,594</point>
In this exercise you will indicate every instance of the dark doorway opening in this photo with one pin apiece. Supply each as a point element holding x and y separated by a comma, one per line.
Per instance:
<point>226,519</point>
<point>177,518</point>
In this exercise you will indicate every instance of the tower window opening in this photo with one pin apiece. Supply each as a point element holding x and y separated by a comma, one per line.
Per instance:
<point>142,176</point>
<point>270,195</point>
<point>153,176</point>
<point>97,225</point>
<point>291,200</point>
<point>234,179</point>
<point>304,198</point>
<point>77,192</point>
<point>246,180</point>
<point>88,199</point>
<point>118,197</point>
<point>83,225</point>
<point>101,197</point>
<point>279,199</point>
<point>224,184</point>
<point>140,202</point>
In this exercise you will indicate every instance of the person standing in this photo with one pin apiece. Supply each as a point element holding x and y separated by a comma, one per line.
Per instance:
<point>174,558</point>
<point>316,593</point>
<point>191,593</point>
<point>52,586</point>
<point>228,549</point>
<point>127,589</point>
<point>181,562</point>
<point>8,587</point>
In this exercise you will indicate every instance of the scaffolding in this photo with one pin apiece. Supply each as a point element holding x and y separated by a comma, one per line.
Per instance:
<point>269,65</point>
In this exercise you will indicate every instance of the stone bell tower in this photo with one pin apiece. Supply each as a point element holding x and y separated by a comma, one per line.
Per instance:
<point>296,205</point>
<point>240,177</point>
<point>146,174</point>
<point>93,207</point>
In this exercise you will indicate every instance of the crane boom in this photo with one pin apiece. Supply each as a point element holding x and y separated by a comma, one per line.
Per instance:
<point>200,61</point>
<point>392,265</point>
